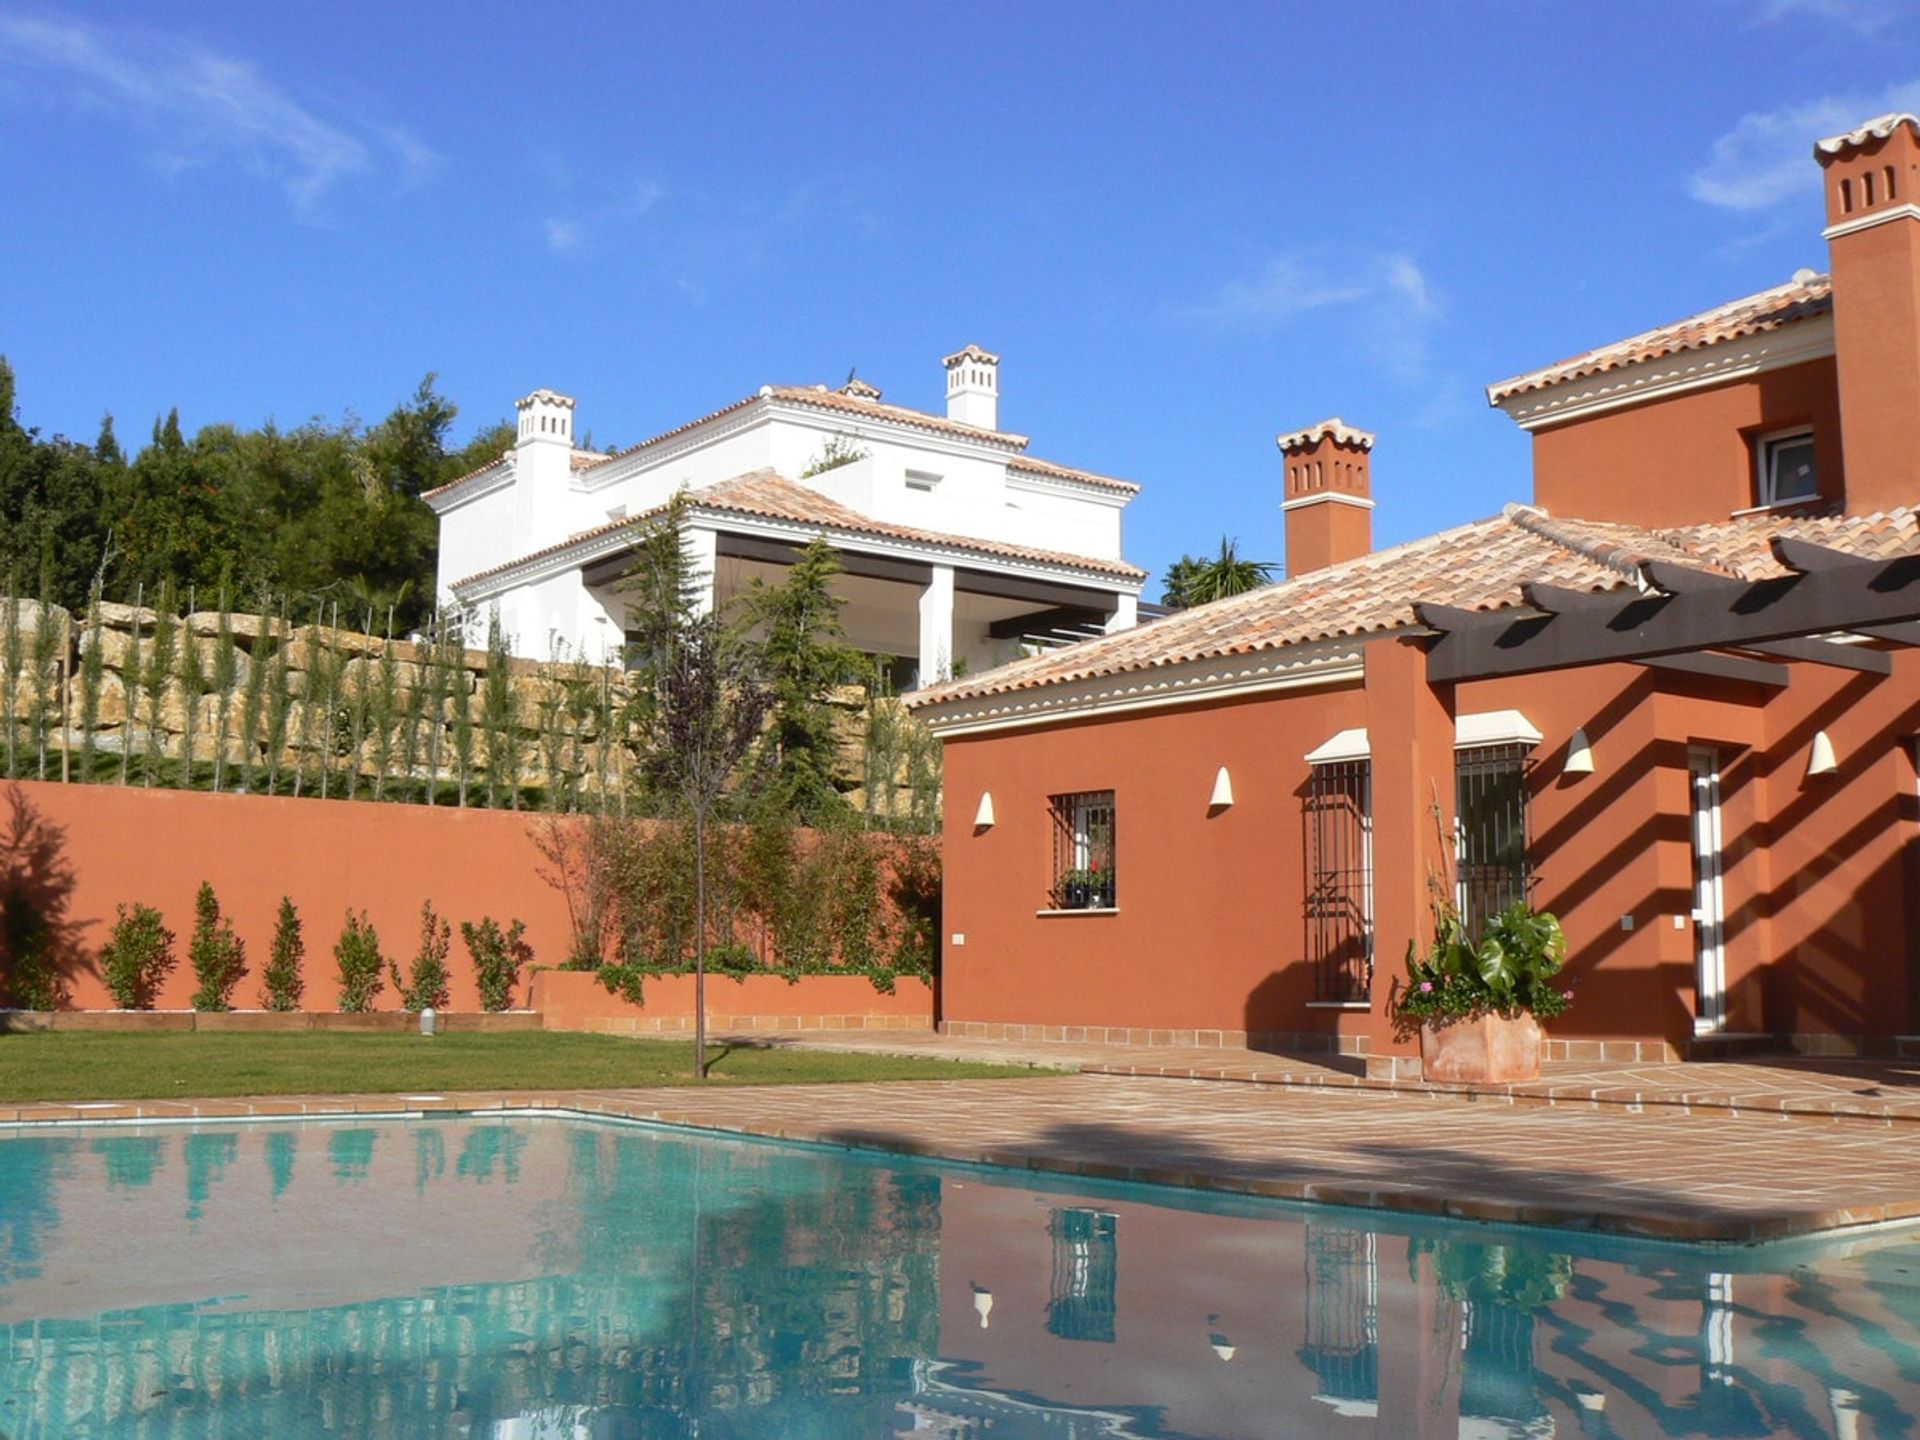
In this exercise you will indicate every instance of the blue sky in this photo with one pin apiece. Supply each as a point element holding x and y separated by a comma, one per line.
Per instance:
<point>1185,228</point>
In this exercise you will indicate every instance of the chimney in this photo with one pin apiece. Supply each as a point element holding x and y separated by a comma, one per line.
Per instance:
<point>1329,495</point>
<point>542,468</point>
<point>1872,183</point>
<point>973,387</point>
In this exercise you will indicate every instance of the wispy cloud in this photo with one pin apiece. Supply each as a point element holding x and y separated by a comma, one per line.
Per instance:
<point>1768,157</point>
<point>578,229</point>
<point>1863,17</point>
<point>1389,292</point>
<point>195,107</point>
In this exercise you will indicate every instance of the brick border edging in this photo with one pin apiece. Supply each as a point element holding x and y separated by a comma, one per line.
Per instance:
<point>588,1105</point>
<point>256,1022</point>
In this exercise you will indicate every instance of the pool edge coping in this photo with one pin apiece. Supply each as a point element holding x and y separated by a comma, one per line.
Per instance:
<point>1697,1227</point>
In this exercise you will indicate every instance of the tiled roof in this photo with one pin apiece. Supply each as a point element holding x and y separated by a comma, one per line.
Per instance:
<point>586,460</point>
<point>1806,294</point>
<point>825,399</point>
<point>1479,566</point>
<point>1031,465</point>
<point>472,474</point>
<point>770,496</point>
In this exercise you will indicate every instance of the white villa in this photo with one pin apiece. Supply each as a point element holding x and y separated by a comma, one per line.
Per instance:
<point>959,547</point>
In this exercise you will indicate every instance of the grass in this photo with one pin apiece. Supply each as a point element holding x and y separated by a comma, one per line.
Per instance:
<point>84,1066</point>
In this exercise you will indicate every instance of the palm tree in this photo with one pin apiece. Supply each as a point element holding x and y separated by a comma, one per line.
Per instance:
<point>1193,581</point>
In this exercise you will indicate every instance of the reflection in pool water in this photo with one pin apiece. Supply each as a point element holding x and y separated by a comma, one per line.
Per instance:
<point>538,1278</point>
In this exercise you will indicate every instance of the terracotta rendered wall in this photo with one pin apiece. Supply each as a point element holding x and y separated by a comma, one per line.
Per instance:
<point>1819,891</point>
<point>572,1000</point>
<point>1687,459</point>
<point>156,846</point>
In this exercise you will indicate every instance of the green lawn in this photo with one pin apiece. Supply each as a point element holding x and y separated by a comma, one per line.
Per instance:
<point>83,1066</point>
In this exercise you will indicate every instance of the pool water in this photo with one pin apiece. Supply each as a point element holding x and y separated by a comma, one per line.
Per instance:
<point>550,1279</point>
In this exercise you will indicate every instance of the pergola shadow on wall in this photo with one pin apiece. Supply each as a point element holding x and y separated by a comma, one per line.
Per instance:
<point>1676,622</point>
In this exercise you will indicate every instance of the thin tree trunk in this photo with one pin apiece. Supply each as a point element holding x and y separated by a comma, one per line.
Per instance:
<point>699,942</point>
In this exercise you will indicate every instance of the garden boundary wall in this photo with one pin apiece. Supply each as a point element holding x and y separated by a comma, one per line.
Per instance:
<point>119,845</point>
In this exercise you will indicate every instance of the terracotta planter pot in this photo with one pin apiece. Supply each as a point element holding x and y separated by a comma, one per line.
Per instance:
<point>1490,1049</point>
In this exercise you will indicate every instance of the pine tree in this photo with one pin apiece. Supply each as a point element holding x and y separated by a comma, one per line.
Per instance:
<point>217,955</point>
<point>282,982</point>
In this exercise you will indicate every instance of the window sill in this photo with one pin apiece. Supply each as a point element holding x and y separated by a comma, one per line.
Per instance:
<point>1339,1005</point>
<point>1084,910</point>
<point>1800,504</point>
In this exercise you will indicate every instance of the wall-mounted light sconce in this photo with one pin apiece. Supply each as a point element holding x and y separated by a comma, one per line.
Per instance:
<point>1222,795</point>
<point>1218,1342</point>
<point>982,1304</point>
<point>983,817</point>
<point>1820,757</point>
<point>1579,753</point>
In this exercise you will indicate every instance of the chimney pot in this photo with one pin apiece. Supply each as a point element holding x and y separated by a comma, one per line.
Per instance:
<point>1327,489</point>
<point>973,387</point>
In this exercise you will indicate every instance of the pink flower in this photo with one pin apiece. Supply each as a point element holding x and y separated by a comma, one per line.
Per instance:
<point>1566,994</point>
<point>1425,986</point>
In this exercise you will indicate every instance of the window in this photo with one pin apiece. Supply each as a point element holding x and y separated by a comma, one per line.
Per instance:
<point>1083,876</point>
<point>1490,803</point>
<point>922,480</point>
<point>1339,852</point>
<point>1785,468</point>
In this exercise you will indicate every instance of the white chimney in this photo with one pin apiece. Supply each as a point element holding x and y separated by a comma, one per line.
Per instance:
<point>542,468</point>
<point>973,387</point>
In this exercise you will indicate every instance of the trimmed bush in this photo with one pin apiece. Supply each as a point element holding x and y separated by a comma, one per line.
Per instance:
<point>498,959</point>
<point>138,955</point>
<point>281,983</point>
<point>217,955</point>
<point>361,966</point>
<point>426,986</point>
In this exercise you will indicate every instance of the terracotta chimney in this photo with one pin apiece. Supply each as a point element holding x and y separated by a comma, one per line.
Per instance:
<point>1329,495</point>
<point>1872,185</point>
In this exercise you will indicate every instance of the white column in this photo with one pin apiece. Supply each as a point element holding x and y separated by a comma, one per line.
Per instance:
<point>936,626</point>
<point>1126,613</point>
<point>703,555</point>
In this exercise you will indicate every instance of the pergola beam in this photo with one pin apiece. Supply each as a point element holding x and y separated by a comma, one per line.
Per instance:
<point>1723,667</point>
<point>1698,612</point>
<point>1825,652</point>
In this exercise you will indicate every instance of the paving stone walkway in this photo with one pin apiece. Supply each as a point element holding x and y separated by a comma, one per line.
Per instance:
<point>1882,1091</point>
<point>1695,1177</point>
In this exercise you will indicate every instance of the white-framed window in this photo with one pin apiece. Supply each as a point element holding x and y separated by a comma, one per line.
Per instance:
<point>925,481</point>
<point>1784,469</point>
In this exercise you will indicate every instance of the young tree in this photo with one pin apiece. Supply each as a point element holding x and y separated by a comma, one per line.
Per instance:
<point>704,702</point>
<point>217,955</point>
<point>282,982</point>
<point>137,956</point>
<point>356,955</point>
<point>425,985</point>
<point>806,656</point>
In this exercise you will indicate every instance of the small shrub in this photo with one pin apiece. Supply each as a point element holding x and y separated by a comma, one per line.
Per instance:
<point>498,959</point>
<point>138,955</point>
<point>217,955</point>
<point>357,954</point>
<point>425,988</point>
<point>282,983</point>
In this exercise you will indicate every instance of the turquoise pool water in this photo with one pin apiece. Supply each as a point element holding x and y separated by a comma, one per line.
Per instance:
<point>545,1279</point>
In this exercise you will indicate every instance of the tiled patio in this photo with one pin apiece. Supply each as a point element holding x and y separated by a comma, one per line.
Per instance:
<point>1680,1177</point>
<point>1883,1091</point>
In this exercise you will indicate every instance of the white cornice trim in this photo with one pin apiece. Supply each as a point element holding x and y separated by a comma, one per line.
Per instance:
<point>1909,211</point>
<point>1667,375</point>
<point>1029,483</point>
<point>1300,502</point>
<point>704,433</point>
<point>496,476</point>
<point>1290,667</point>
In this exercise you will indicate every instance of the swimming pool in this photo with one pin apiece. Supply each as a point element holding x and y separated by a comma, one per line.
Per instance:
<point>552,1279</point>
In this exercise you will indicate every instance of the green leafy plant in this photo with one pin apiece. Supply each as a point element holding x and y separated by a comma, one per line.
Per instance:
<point>425,985</point>
<point>498,958</point>
<point>357,955</point>
<point>839,450</point>
<point>282,983</point>
<point>1519,1277</point>
<point>1509,971</point>
<point>217,955</point>
<point>137,957</point>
